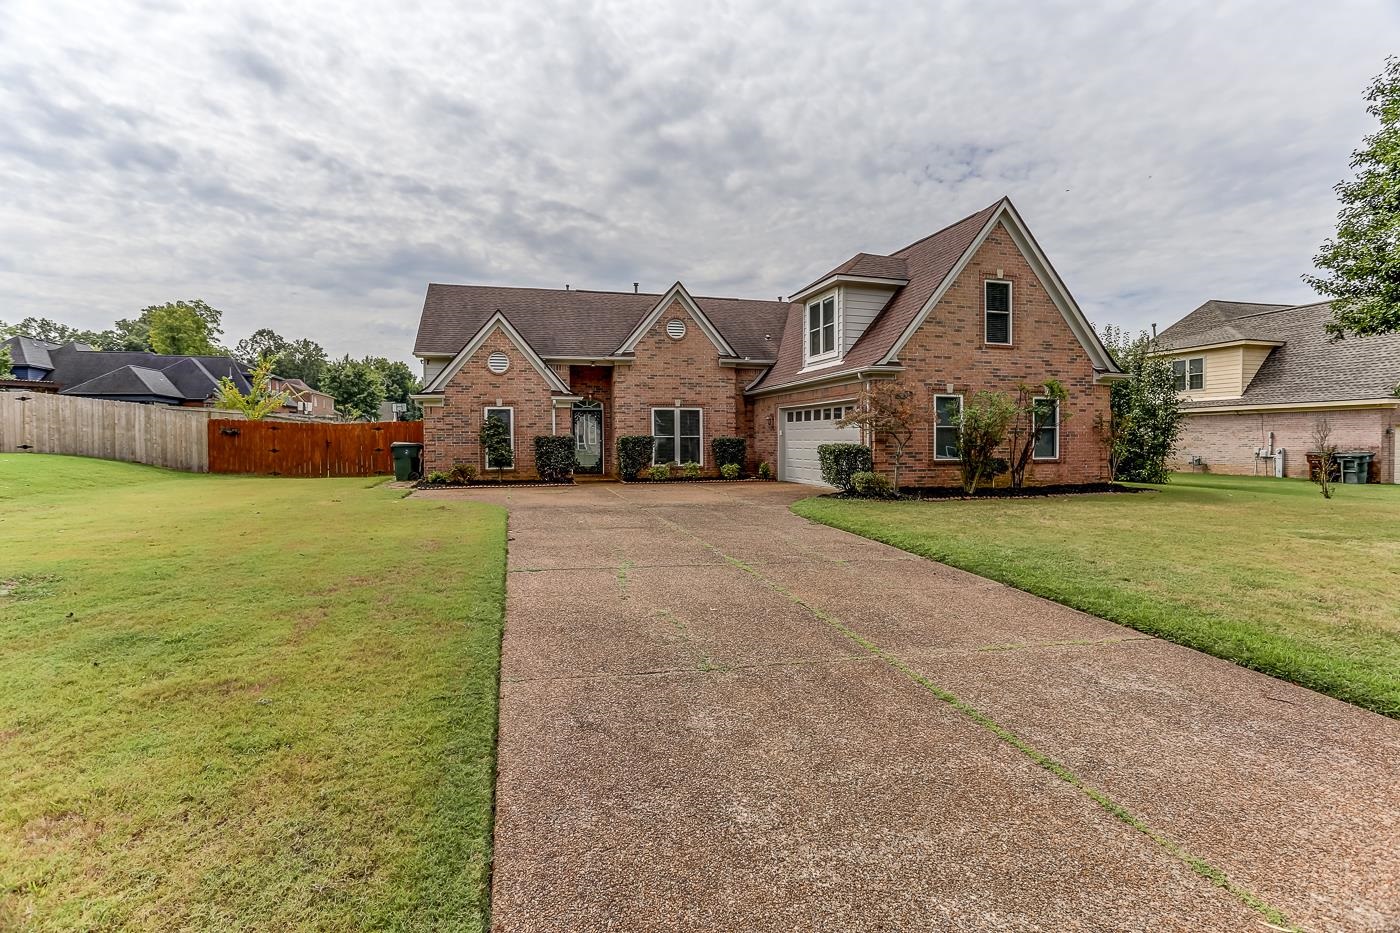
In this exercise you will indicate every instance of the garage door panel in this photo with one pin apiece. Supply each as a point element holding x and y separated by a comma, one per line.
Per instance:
<point>803,431</point>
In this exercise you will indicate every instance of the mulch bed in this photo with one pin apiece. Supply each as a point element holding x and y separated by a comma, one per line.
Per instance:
<point>490,484</point>
<point>1005,492</point>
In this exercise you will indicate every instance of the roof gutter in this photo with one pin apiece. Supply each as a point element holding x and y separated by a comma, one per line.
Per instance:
<point>850,375</point>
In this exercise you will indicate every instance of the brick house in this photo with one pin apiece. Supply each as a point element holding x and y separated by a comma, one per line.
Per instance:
<point>974,306</point>
<point>1255,379</point>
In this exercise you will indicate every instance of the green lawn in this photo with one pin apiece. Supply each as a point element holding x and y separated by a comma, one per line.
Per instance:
<point>1263,572</point>
<point>236,703</point>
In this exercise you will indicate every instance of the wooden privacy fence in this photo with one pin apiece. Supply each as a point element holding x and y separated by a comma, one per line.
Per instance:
<point>286,448</point>
<point>37,422</point>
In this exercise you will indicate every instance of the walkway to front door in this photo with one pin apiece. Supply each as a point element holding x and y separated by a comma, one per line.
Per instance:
<point>718,716</point>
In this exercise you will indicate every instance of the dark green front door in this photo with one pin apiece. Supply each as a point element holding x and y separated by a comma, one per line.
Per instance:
<point>588,439</point>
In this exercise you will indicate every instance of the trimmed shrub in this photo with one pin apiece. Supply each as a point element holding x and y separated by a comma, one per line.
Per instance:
<point>728,450</point>
<point>690,470</point>
<point>437,478</point>
<point>660,471</point>
<point>872,485</point>
<point>462,473</point>
<point>842,461</point>
<point>633,453</point>
<point>729,471</point>
<point>765,471</point>
<point>555,458</point>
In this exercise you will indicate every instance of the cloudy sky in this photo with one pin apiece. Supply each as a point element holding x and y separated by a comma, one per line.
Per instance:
<point>311,167</point>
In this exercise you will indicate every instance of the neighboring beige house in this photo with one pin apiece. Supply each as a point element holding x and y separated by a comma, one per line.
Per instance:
<point>302,399</point>
<point>1255,379</point>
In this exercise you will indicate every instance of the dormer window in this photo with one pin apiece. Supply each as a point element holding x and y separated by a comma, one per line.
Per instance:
<point>1189,374</point>
<point>821,327</point>
<point>997,297</point>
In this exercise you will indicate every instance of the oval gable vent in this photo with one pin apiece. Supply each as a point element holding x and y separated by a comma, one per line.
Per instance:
<point>675,328</point>
<point>498,362</point>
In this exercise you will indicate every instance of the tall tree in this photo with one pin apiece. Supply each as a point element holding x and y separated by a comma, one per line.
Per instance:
<point>1362,263</point>
<point>42,328</point>
<point>5,371</point>
<point>179,328</point>
<point>357,386</point>
<point>1145,417</point>
<point>263,343</point>
<point>302,359</point>
<point>399,384</point>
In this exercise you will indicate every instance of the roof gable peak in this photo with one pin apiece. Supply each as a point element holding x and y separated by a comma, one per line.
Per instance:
<point>676,292</point>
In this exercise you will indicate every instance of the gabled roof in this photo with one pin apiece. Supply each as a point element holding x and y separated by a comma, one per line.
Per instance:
<point>892,269</point>
<point>129,381</point>
<point>582,324</point>
<point>497,321</point>
<point>676,293</point>
<point>1308,366</point>
<point>75,364</point>
<point>932,265</point>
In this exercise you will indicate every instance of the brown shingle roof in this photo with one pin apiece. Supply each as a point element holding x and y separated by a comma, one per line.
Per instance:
<point>1310,367</point>
<point>1212,322</point>
<point>581,323</point>
<point>927,263</point>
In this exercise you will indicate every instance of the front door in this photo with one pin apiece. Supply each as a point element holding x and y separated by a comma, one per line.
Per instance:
<point>588,438</point>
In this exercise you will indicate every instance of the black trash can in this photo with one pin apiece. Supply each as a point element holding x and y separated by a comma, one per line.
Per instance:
<point>408,460</point>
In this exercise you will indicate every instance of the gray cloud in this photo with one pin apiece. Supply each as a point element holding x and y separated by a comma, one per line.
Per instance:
<point>313,172</point>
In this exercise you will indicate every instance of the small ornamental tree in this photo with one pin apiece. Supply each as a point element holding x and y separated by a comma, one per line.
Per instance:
<point>891,411</point>
<point>986,417</point>
<point>1145,417</point>
<point>1360,266</point>
<point>495,443</point>
<point>1326,454</point>
<point>1022,432</point>
<point>260,401</point>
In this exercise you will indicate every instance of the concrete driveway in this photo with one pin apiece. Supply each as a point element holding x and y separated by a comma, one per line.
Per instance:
<point>718,716</point>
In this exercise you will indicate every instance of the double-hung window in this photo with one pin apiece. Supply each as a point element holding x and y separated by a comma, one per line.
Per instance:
<point>947,426</point>
<point>997,312</point>
<point>506,416</point>
<point>1046,423</point>
<point>821,327</point>
<point>675,435</point>
<point>1189,373</point>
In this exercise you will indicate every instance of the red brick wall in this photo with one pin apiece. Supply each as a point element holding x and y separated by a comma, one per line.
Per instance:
<point>949,349</point>
<point>451,431</point>
<point>1226,442</point>
<point>665,370</point>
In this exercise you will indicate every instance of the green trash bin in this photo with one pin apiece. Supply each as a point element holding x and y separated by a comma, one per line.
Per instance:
<point>408,460</point>
<point>1356,466</point>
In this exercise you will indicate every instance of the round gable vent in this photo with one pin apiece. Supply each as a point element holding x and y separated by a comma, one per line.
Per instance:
<point>675,328</point>
<point>498,362</point>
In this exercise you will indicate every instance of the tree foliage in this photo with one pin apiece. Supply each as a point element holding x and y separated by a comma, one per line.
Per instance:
<point>179,329</point>
<point>1145,416</point>
<point>302,359</point>
<point>42,328</point>
<point>889,411</point>
<point>1021,433</point>
<point>263,343</point>
<point>6,371</point>
<point>357,386</point>
<point>495,443</point>
<point>260,401</point>
<point>986,419</point>
<point>1361,264</point>
<point>399,384</point>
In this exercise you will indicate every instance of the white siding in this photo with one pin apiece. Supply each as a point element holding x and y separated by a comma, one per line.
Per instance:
<point>859,305</point>
<point>431,368</point>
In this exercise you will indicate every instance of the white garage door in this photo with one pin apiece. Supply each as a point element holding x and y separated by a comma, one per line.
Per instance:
<point>803,430</point>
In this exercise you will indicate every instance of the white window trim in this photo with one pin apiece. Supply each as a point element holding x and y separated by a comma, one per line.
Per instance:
<point>486,413</point>
<point>835,352</point>
<point>936,455</point>
<point>678,410</point>
<point>1185,362</point>
<point>1035,429</point>
<point>1010,312</point>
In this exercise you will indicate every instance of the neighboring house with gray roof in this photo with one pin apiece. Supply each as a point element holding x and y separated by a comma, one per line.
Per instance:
<point>1255,378</point>
<point>973,306</point>
<point>121,375</point>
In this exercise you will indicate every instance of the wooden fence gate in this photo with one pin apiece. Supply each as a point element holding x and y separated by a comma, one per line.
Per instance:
<point>299,448</point>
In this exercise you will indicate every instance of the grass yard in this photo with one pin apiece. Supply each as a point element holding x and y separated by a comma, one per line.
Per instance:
<point>1263,572</point>
<point>236,703</point>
